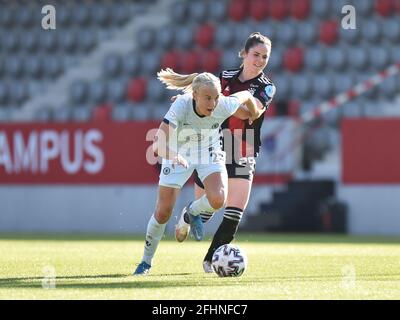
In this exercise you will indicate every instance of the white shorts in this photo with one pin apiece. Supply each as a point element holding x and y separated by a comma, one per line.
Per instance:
<point>177,177</point>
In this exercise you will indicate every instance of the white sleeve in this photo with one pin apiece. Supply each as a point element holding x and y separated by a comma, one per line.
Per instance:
<point>229,105</point>
<point>175,113</point>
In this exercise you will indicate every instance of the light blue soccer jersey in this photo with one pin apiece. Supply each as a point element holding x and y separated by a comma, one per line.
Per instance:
<point>195,135</point>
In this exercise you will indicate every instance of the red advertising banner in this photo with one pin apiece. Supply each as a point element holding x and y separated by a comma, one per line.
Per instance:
<point>77,153</point>
<point>371,151</point>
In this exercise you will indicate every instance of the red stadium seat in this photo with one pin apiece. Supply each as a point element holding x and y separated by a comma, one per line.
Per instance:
<point>102,113</point>
<point>205,35</point>
<point>190,62</point>
<point>384,7</point>
<point>293,59</point>
<point>259,9</point>
<point>397,6</point>
<point>137,89</point>
<point>300,9</point>
<point>211,61</point>
<point>328,32</point>
<point>293,109</point>
<point>238,10</point>
<point>278,9</point>
<point>271,112</point>
<point>171,59</point>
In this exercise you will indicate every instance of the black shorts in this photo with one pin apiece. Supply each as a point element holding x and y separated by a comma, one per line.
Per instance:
<point>243,170</point>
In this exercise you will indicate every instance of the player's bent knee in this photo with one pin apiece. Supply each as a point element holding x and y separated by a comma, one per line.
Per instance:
<point>217,201</point>
<point>162,216</point>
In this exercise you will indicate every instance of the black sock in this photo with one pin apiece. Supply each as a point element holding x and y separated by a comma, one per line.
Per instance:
<point>226,231</point>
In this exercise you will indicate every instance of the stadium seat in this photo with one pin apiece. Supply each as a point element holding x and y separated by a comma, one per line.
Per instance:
<point>131,64</point>
<point>378,57</point>
<point>211,61</point>
<point>364,7</point>
<point>395,53</point>
<point>352,109</point>
<point>184,37</point>
<point>307,32</point>
<point>358,58</point>
<point>156,91</point>
<point>61,114</point>
<point>197,11</point>
<point>165,38</point>
<point>43,114</point>
<point>141,112</point>
<point>29,42</point>
<point>119,14</point>
<point>67,41</point>
<point>287,34</point>
<point>171,59</point>
<point>81,113</point>
<point>116,90</point>
<point>87,40</point>
<point>78,92</point>
<point>384,7</point>
<point>190,62</point>
<point>278,9</point>
<point>63,16</point>
<point>242,32</point>
<point>11,41</point>
<point>224,37</point>
<point>218,11</point>
<point>301,86</point>
<point>322,86</point>
<point>97,92</point>
<point>24,17</point>
<point>137,89</point>
<point>102,113</point>
<point>122,112</point>
<point>315,58</point>
<point>282,81</point>
<point>179,11</point>
<point>205,35</point>
<point>3,93</point>
<point>350,36</point>
<point>321,8</point>
<point>391,30</point>
<point>230,60</point>
<point>33,66</point>
<point>293,59</point>
<point>159,111</point>
<point>276,59</point>
<point>145,38</point>
<point>293,108</point>
<point>81,15</point>
<point>269,29</point>
<point>389,88</point>
<point>336,58</point>
<point>150,62</point>
<point>18,92</point>
<point>13,67</point>
<point>100,14</point>
<point>300,9</point>
<point>343,82</point>
<point>372,93</point>
<point>112,65</point>
<point>238,10</point>
<point>7,18</point>
<point>258,10</point>
<point>328,32</point>
<point>371,31</point>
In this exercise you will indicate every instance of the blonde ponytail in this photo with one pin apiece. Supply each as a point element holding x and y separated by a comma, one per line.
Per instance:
<point>187,82</point>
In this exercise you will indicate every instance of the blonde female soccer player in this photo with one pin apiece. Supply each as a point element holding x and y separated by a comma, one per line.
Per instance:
<point>188,139</point>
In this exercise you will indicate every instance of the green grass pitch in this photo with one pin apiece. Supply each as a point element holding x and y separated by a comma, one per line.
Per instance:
<point>280,267</point>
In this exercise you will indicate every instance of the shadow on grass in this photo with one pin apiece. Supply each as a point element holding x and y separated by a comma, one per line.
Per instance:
<point>152,281</point>
<point>295,238</point>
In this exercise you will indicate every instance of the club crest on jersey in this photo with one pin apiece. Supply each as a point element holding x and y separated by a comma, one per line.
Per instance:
<point>166,171</point>
<point>215,126</point>
<point>270,90</point>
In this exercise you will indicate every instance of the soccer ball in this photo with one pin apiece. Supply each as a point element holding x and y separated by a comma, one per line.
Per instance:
<point>229,261</point>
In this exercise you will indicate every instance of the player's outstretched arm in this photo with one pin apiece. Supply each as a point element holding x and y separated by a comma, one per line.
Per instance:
<point>243,113</point>
<point>245,97</point>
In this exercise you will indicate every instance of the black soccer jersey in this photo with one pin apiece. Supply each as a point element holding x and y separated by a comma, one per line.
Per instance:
<point>262,88</point>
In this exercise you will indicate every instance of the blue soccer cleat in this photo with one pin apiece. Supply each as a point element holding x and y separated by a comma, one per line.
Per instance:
<point>143,268</point>
<point>196,225</point>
